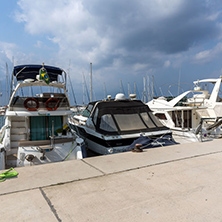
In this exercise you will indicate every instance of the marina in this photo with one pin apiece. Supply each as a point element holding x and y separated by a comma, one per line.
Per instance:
<point>150,176</point>
<point>110,112</point>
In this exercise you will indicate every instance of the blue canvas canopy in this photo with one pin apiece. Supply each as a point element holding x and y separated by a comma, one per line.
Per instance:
<point>23,72</point>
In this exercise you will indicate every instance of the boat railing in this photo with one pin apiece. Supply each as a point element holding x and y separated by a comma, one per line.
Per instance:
<point>208,127</point>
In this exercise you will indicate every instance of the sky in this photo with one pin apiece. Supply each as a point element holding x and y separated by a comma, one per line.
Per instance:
<point>170,42</point>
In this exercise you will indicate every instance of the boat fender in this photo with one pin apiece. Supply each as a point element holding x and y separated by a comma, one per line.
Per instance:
<point>33,100</point>
<point>49,101</point>
<point>2,159</point>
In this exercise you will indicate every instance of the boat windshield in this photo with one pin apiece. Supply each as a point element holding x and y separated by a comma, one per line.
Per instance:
<point>39,94</point>
<point>129,122</point>
<point>87,111</point>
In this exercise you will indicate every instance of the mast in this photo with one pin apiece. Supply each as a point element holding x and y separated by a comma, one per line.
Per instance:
<point>68,73</point>
<point>128,89</point>
<point>179,81</point>
<point>120,87</point>
<point>1,94</point>
<point>91,82</point>
<point>83,84</point>
<point>144,89</point>
<point>105,92</point>
<point>152,87</point>
<point>134,87</point>
<point>148,88</point>
<point>7,92</point>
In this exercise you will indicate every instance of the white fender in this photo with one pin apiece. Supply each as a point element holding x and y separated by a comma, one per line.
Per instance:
<point>2,158</point>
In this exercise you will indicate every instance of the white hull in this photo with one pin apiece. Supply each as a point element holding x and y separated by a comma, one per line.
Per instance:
<point>61,152</point>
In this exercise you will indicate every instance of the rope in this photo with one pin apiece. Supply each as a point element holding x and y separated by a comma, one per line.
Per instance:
<point>156,140</point>
<point>72,148</point>
<point>7,174</point>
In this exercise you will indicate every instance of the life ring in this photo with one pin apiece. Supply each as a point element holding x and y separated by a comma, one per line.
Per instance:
<point>34,104</point>
<point>50,101</point>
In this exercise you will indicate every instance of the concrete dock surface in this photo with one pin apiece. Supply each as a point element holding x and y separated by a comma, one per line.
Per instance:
<point>174,183</point>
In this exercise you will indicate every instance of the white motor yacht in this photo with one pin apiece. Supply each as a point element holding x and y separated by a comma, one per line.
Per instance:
<point>192,118</point>
<point>36,129</point>
<point>112,125</point>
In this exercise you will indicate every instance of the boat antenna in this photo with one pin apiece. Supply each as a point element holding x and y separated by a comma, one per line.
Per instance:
<point>73,93</point>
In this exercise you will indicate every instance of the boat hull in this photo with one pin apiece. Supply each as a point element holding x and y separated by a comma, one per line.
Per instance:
<point>103,144</point>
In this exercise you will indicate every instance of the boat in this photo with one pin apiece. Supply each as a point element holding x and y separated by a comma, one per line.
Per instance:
<point>36,129</point>
<point>112,125</point>
<point>2,110</point>
<point>193,115</point>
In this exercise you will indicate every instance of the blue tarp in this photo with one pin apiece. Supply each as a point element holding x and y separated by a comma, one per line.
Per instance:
<point>147,142</point>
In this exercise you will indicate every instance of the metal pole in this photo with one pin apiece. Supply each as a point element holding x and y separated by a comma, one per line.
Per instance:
<point>90,82</point>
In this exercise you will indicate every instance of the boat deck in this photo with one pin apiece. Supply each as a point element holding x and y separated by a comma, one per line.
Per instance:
<point>173,183</point>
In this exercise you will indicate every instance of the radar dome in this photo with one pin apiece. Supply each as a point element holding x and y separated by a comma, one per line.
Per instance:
<point>120,96</point>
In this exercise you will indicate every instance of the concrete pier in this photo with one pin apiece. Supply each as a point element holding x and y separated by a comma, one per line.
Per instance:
<point>175,183</point>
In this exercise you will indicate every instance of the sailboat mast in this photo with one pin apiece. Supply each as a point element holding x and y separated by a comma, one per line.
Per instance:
<point>128,89</point>
<point>83,84</point>
<point>179,81</point>
<point>90,82</point>
<point>152,87</point>
<point>148,88</point>
<point>1,94</point>
<point>7,92</point>
<point>144,89</point>
<point>105,93</point>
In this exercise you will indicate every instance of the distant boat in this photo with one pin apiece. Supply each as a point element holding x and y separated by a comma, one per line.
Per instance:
<point>35,129</point>
<point>112,125</point>
<point>2,110</point>
<point>196,117</point>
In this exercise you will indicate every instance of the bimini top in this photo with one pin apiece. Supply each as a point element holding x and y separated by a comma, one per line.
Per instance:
<point>23,72</point>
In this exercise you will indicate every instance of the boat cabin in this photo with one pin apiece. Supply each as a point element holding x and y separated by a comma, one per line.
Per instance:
<point>113,117</point>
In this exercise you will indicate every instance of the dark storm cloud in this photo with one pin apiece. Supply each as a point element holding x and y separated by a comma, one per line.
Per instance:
<point>173,34</point>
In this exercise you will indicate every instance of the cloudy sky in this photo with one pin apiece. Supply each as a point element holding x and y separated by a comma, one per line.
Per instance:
<point>125,41</point>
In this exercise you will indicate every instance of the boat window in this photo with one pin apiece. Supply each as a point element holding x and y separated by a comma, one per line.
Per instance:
<point>127,122</point>
<point>107,123</point>
<point>147,120</point>
<point>38,91</point>
<point>155,120</point>
<point>95,116</point>
<point>160,116</point>
<point>87,111</point>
